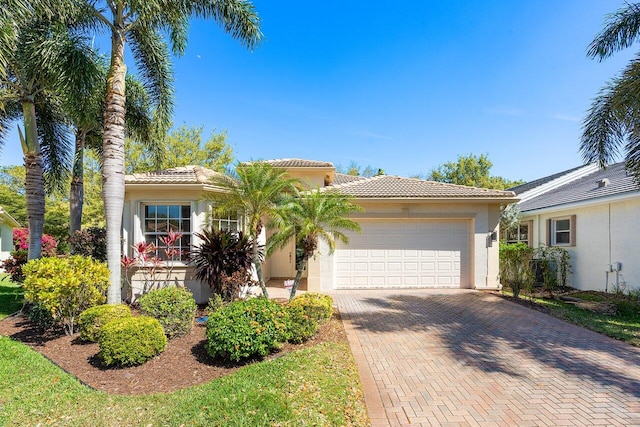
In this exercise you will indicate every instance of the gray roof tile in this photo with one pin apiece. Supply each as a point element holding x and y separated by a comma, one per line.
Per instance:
<point>388,186</point>
<point>585,188</point>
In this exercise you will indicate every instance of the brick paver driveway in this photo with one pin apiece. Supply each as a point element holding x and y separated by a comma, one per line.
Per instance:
<point>470,358</point>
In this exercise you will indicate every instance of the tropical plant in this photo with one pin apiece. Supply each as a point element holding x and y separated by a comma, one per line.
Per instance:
<point>309,217</point>
<point>301,326</point>
<point>44,64</point>
<point>256,190</point>
<point>612,121</point>
<point>174,307</point>
<point>318,306</point>
<point>515,267</point>
<point>90,242</point>
<point>219,256</point>
<point>18,257</point>
<point>143,25</point>
<point>65,286</point>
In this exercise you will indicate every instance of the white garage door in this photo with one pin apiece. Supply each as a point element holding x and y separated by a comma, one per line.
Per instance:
<point>405,254</point>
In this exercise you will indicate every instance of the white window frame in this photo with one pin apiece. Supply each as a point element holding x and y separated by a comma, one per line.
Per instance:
<point>191,218</point>
<point>555,231</point>
<point>519,234</point>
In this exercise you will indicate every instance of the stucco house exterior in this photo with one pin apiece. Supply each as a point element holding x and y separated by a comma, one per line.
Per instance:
<point>415,233</point>
<point>595,214</point>
<point>7,224</point>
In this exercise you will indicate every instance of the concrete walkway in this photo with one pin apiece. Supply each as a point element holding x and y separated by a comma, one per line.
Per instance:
<point>461,357</point>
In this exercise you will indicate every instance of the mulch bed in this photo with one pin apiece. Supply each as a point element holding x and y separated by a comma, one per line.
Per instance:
<point>183,364</point>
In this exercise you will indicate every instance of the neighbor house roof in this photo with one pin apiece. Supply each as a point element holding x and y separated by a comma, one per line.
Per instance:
<point>298,163</point>
<point>180,175</point>
<point>601,184</point>
<point>388,186</point>
<point>541,181</point>
<point>343,178</point>
<point>5,218</point>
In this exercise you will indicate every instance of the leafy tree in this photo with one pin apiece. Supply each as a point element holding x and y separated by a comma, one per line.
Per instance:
<point>183,146</point>
<point>355,169</point>
<point>308,218</point>
<point>143,25</point>
<point>257,189</point>
<point>471,170</point>
<point>612,121</point>
<point>43,65</point>
<point>12,197</point>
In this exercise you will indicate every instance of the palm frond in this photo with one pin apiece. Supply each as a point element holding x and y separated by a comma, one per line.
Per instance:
<point>621,30</point>
<point>55,143</point>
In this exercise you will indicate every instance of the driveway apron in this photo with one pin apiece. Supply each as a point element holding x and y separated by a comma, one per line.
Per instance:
<point>461,357</point>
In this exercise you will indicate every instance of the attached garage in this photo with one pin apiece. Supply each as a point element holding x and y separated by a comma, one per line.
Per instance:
<point>405,254</point>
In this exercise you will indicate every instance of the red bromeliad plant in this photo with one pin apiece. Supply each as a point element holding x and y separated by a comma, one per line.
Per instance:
<point>156,272</point>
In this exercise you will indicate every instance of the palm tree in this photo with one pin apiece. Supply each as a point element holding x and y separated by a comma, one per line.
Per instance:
<point>44,63</point>
<point>87,122</point>
<point>308,218</point>
<point>612,121</point>
<point>256,190</point>
<point>142,24</point>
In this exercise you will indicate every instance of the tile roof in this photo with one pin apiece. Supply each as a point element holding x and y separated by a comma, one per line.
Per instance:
<point>343,178</point>
<point>586,188</point>
<point>298,163</point>
<point>181,175</point>
<point>389,186</point>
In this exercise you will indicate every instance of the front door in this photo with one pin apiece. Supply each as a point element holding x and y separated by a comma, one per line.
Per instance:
<point>283,262</point>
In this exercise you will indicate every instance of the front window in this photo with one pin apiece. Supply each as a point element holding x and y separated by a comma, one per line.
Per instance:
<point>519,233</point>
<point>229,221</point>
<point>561,231</point>
<point>159,221</point>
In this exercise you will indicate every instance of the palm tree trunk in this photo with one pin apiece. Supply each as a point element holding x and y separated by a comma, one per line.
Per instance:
<point>301,267</point>
<point>113,162</point>
<point>76,193</point>
<point>34,182</point>
<point>258,265</point>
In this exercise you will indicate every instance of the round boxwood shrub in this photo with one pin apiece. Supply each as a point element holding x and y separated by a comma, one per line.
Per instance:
<point>245,329</point>
<point>131,341</point>
<point>92,319</point>
<point>317,306</point>
<point>174,307</point>
<point>301,326</point>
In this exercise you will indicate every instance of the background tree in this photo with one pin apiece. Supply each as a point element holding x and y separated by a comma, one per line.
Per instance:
<point>308,218</point>
<point>256,190</point>
<point>471,170</point>
<point>182,146</point>
<point>144,25</point>
<point>611,124</point>
<point>355,169</point>
<point>44,65</point>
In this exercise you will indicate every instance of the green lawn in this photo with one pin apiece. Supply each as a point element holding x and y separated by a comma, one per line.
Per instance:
<point>10,296</point>
<point>624,326</point>
<point>317,386</point>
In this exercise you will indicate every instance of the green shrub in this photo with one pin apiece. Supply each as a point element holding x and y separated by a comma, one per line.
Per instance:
<point>65,287</point>
<point>41,317</point>
<point>215,303</point>
<point>301,326</point>
<point>244,329</point>
<point>515,267</point>
<point>131,341</point>
<point>174,307</point>
<point>92,319</point>
<point>317,306</point>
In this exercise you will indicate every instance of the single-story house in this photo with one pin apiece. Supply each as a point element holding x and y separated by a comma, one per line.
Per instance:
<point>7,224</point>
<point>594,213</point>
<point>415,233</point>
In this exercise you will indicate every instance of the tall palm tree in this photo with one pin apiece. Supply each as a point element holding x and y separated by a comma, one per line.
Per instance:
<point>612,122</point>
<point>86,119</point>
<point>256,190</point>
<point>142,24</point>
<point>308,218</point>
<point>43,64</point>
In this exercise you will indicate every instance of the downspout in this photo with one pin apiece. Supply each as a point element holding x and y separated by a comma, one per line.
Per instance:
<point>606,284</point>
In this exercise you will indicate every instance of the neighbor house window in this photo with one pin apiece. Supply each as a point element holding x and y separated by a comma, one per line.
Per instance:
<point>562,231</point>
<point>519,234</point>
<point>159,220</point>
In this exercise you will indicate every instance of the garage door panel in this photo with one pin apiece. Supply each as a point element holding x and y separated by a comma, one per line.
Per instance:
<point>405,254</point>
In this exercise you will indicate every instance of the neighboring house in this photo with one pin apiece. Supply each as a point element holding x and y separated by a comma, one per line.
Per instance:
<point>7,224</point>
<point>415,233</point>
<point>595,214</point>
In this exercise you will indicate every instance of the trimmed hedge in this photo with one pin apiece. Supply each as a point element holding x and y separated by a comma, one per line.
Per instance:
<point>92,319</point>
<point>245,329</point>
<point>317,306</point>
<point>301,326</point>
<point>174,307</point>
<point>131,341</point>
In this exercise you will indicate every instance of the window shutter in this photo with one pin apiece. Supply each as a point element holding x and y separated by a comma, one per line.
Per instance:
<point>572,234</point>
<point>548,242</point>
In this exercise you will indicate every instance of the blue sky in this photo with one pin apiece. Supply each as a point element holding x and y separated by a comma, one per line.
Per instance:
<point>403,87</point>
